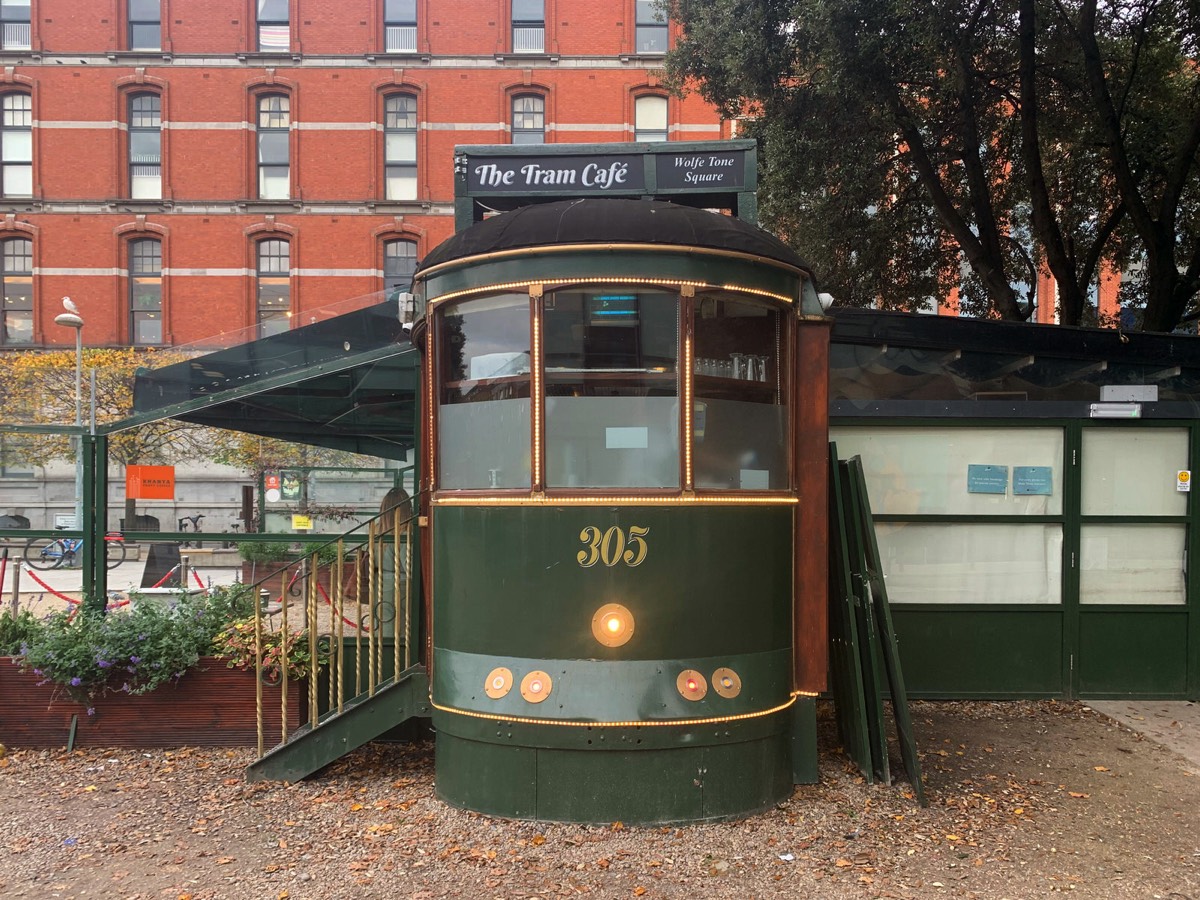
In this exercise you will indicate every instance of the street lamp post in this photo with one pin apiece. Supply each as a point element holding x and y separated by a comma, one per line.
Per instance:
<point>72,319</point>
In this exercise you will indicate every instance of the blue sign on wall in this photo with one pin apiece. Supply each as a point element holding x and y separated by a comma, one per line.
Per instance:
<point>1033,480</point>
<point>987,479</point>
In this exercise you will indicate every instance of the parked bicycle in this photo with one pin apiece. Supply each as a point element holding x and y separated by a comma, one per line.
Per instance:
<point>183,527</point>
<point>55,553</point>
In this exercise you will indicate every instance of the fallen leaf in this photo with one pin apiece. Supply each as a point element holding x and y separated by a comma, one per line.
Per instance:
<point>538,840</point>
<point>1100,768</point>
<point>638,891</point>
<point>224,860</point>
<point>1078,795</point>
<point>843,863</point>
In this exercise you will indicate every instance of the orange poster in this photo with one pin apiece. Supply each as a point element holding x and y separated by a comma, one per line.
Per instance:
<point>150,482</point>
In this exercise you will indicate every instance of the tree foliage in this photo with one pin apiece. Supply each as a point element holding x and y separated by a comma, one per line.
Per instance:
<point>911,147</point>
<point>39,388</point>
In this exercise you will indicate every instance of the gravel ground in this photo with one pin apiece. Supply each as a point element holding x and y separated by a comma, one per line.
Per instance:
<point>1026,799</point>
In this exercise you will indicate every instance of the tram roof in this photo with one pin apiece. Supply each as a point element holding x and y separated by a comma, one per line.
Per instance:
<point>610,220</point>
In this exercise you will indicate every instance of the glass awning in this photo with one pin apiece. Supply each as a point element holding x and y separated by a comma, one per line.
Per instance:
<point>347,383</point>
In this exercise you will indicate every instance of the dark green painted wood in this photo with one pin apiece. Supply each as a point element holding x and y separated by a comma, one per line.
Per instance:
<point>715,582</point>
<point>849,693</point>
<point>870,657</point>
<point>607,737</point>
<point>891,651</point>
<point>686,784</point>
<point>498,780</point>
<point>805,765</point>
<point>1141,653</point>
<point>363,719</point>
<point>629,690</point>
<point>973,653</point>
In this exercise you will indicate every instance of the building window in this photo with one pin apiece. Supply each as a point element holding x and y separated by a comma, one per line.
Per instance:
<point>650,119</point>
<point>15,453</point>
<point>651,29</point>
<point>145,292</point>
<point>274,287</point>
<point>528,26</point>
<point>399,263</point>
<point>145,147</point>
<point>274,133</point>
<point>16,277</point>
<point>400,147</point>
<point>529,119</point>
<point>16,146</point>
<point>14,17</point>
<point>145,25</point>
<point>274,31</point>
<point>400,26</point>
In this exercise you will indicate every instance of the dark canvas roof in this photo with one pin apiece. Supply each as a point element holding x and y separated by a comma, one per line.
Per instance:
<point>611,220</point>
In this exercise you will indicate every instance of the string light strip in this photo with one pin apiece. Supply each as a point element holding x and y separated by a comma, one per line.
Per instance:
<point>605,279</point>
<point>543,500</point>
<point>567,723</point>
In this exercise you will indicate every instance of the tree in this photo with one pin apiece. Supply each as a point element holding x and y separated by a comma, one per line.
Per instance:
<point>902,140</point>
<point>39,388</point>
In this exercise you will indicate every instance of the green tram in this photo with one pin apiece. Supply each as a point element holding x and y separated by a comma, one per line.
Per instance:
<point>624,500</point>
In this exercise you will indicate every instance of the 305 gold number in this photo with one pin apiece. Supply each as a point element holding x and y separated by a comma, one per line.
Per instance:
<point>613,546</point>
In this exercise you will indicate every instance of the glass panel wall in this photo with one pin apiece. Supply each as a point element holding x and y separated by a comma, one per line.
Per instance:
<point>976,563</point>
<point>958,471</point>
<point>1142,564</point>
<point>1131,471</point>
<point>484,404</point>
<point>612,388</point>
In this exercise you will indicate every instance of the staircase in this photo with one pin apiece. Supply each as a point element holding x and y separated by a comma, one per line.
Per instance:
<point>362,719</point>
<point>360,674</point>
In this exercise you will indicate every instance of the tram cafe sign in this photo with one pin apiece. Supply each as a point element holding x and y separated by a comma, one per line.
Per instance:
<point>617,173</point>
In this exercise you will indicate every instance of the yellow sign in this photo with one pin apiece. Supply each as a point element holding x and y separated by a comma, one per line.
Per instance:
<point>1183,480</point>
<point>301,523</point>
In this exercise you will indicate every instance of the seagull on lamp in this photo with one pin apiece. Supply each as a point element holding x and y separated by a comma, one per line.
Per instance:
<point>69,305</point>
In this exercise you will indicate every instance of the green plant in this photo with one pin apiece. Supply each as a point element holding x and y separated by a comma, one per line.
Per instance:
<point>132,650</point>
<point>15,631</point>
<point>280,650</point>
<point>266,551</point>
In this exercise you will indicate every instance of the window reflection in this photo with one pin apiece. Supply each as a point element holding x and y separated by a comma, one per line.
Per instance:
<point>484,414</point>
<point>739,424</point>
<point>612,388</point>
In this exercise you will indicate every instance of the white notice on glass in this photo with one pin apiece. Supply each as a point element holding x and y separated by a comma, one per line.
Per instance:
<point>626,438</point>
<point>755,479</point>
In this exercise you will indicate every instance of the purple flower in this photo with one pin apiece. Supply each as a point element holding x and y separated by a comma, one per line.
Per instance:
<point>76,681</point>
<point>103,663</point>
<point>135,659</point>
<point>37,671</point>
<point>141,637</point>
<point>91,710</point>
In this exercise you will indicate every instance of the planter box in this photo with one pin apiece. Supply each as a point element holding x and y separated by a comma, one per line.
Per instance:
<point>211,706</point>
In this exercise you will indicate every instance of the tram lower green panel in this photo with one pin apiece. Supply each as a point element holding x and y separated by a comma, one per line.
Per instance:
<point>539,715</point>
<point>636,786</point>
<point>1133,653</point>
<point>968,652</point>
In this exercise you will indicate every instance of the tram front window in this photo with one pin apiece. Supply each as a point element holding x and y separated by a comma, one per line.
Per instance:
<point>740,422</point>
<point>483,414</point>
<point>612,388</point>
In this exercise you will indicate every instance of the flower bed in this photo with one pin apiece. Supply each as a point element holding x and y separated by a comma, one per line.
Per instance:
<point>211,706</point>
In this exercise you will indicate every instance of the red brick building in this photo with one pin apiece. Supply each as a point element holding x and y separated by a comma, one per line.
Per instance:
<point>183,168</point>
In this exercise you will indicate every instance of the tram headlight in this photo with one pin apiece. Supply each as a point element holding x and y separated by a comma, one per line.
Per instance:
<point>612,625</point>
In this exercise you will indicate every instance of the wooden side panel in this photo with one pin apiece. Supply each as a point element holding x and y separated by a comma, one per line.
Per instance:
<point>811,461</point>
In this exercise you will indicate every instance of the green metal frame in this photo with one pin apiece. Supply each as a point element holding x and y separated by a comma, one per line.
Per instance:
<point>981,643</point>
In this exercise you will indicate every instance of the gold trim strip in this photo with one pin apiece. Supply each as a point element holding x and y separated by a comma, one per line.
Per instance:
<point>609,248</point>
<point>543,500</point>
<point>567,723</point>
<point>433,302</point>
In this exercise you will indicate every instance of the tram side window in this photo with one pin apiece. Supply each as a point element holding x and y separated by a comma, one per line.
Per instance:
<point>484,406</point>
<point>740,423</point>
<point>612,388</point>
